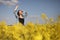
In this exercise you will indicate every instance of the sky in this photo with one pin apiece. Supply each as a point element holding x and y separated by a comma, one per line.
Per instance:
<point>34,8</point>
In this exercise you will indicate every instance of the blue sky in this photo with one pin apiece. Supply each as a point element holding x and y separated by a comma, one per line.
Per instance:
<point>34,8</point>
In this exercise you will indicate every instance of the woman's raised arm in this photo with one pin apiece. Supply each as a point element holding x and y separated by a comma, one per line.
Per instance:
<point>15,10</point>
<point>16,7</point>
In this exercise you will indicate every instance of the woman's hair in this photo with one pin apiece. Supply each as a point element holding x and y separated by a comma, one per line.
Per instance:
<point>18,12</point>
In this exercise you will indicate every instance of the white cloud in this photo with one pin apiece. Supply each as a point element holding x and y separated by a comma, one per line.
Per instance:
<point>8,2</point>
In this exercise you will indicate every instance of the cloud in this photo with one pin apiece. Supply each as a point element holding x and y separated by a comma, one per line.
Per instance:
<point>8,2</point>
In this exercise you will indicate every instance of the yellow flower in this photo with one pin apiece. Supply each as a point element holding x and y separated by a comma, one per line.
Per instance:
<point>44,16</point>
<point>31,31</point>
<point>51,19</point>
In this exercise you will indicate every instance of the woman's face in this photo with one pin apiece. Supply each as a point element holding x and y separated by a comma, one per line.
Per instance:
<point>20,12</point>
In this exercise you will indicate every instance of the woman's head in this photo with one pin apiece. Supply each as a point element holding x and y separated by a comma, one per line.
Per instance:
<point>20,12</point>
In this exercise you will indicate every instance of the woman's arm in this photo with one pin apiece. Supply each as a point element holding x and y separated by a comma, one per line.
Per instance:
<point>16,8</point>
<point>15,11</point>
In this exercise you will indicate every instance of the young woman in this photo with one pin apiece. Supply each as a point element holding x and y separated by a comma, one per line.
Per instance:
<point>20,15</point>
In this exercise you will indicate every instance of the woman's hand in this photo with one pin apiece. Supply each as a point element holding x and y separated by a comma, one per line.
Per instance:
<point>26,14</point>
<point>16,7</point>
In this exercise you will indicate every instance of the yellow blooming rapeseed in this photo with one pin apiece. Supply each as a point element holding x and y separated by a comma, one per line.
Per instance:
<point>30,31</point>
<point>44,16</point>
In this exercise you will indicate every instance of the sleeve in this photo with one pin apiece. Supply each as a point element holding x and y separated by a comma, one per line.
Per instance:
<point>15,13</point>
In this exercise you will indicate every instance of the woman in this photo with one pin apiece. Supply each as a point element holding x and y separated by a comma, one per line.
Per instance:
<point>20,15</point>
